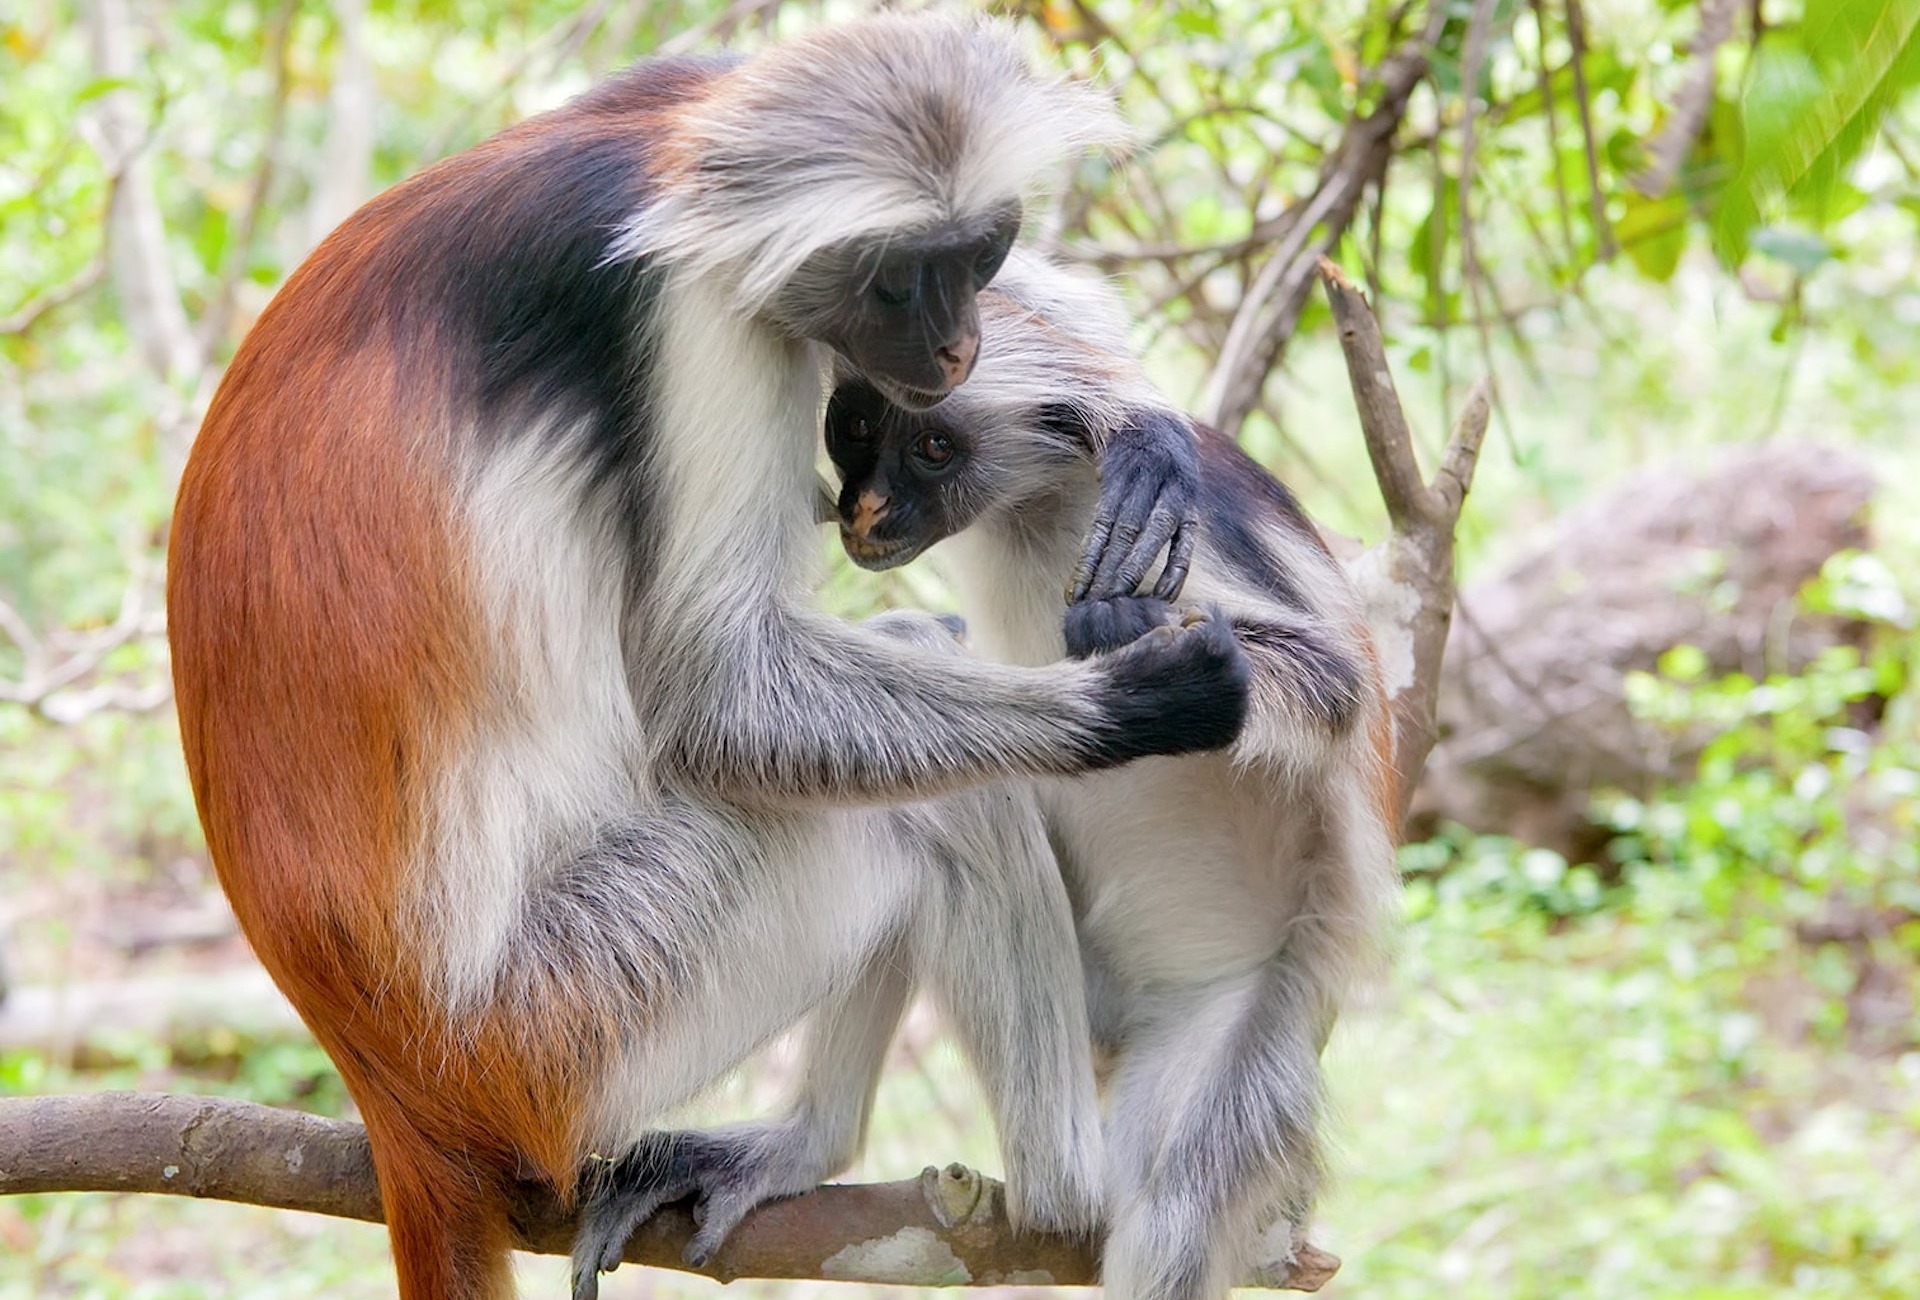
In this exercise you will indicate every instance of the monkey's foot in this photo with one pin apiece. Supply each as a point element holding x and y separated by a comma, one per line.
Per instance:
<point>727,1173</point>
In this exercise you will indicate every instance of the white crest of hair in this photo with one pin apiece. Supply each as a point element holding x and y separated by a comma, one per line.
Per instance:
<point>560,730</point>
<point>895,123</point>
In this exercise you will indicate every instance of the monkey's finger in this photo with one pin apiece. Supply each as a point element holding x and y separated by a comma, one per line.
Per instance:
<point>623,1219</point>
<point>1179,559</point>
<point>1090,556</point>
<point>586,1284</point>
<point>1146,548</point>
<point>1132,515</point>
<point>718,1215</point>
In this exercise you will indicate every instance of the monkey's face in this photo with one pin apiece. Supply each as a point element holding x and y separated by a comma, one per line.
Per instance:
<point>907,478</point>
<point>903,316</point>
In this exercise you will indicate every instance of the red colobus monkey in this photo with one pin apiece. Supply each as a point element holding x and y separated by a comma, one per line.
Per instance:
<point>1225,901</point>
<point>529,772</point>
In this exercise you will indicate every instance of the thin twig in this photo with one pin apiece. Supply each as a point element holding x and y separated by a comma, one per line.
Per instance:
<point>220,304</point>
<point>1549,106</point>
<point>22,320</point>
<point>1577,40</point>
<point>1272,303</point>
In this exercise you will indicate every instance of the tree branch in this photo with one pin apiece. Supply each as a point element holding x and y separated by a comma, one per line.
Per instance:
<point>947,1227</point>
<point>1407,581</point>
<point>1271,308</point>
<point>218,314</point>
<point>136,234</point>
<point>1675,140</point>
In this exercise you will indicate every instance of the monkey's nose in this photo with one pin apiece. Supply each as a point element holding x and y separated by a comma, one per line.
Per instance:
<point>869,510</point>
<point>956,358</point>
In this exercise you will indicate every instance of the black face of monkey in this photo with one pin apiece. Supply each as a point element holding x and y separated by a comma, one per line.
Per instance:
<point>907,478</point>
<point>904,316</point>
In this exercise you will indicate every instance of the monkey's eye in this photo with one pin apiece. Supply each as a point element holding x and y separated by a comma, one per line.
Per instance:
<point>859,431</point>
<point>989,261</point>
<point>896,286</point>
<point>933,451</point>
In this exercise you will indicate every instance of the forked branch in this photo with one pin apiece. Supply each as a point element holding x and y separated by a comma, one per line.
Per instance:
<point>1408,579</point>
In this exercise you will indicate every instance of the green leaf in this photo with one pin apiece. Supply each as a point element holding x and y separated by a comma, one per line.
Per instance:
<point>1813,101</point>
<point>1654,234</point>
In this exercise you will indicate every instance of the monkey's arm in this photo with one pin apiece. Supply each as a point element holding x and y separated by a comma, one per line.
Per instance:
<point>1309,681</point>
<point>802,708</point>
<point>1150,488</point>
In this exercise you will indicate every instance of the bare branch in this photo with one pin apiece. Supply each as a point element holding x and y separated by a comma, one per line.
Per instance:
<point>56,662</point>
<point>1273,302</point>
<point>1455,475</point>
<point>1583,100</point>
<point>30,314</point>
<point>1383,422</point>
<point>136,235</point>
<point>945,1228</point>
<point>1406,581</point>
<point>1690,103</point>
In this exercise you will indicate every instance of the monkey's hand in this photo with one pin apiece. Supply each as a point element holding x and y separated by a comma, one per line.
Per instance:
<point>727,1171</point>
<point>1181,688</point>
<point>1097,626</point>
<point>1149,500</point>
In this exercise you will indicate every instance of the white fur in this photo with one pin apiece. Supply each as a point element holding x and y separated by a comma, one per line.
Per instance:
<point>860,163</point>
<point>559,724</point>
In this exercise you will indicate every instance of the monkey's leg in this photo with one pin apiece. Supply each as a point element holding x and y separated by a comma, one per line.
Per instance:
<point>1213,1135</point>
<point>733,1169</point>
<point>998,948</point>
<point>709,932</point>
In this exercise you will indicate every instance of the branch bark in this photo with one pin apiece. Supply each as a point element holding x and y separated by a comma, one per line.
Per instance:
<point>136,235</point>
<point>1271,308</point>
<point>1407,580</point>
<point>1667,150</point>
<point>947,1227</point>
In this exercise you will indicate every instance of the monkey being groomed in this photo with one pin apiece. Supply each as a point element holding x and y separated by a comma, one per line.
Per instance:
<point>1225,902</point>
<point>532,776</point>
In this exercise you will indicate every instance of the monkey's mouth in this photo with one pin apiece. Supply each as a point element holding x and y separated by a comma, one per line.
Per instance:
<point>910,398</point>
<point>876,555</point>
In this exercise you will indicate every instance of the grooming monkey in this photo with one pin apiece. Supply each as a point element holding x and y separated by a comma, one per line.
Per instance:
<point>1225,901</point>
<point>530,774</point>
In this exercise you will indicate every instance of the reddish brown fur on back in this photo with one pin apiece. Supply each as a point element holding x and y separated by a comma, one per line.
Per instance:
<point>330,663</point>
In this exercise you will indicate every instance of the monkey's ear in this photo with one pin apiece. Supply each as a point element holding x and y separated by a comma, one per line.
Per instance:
<point>1066,421</point>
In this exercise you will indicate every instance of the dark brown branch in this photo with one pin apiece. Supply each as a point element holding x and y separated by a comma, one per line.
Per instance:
<point>1407,581</point>
<point>945,1228</point>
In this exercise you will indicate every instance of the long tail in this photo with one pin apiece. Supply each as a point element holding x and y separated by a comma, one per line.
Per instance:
<point>446,1217</point>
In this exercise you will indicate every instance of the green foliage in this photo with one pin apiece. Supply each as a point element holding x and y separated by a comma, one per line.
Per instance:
<point>1806,800</point>
<point>1815,95</point>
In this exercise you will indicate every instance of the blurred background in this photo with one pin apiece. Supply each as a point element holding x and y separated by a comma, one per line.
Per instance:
<point>1652,1029</point>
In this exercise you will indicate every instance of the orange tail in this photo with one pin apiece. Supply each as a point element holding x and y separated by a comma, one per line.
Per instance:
<point>446,1217</point>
